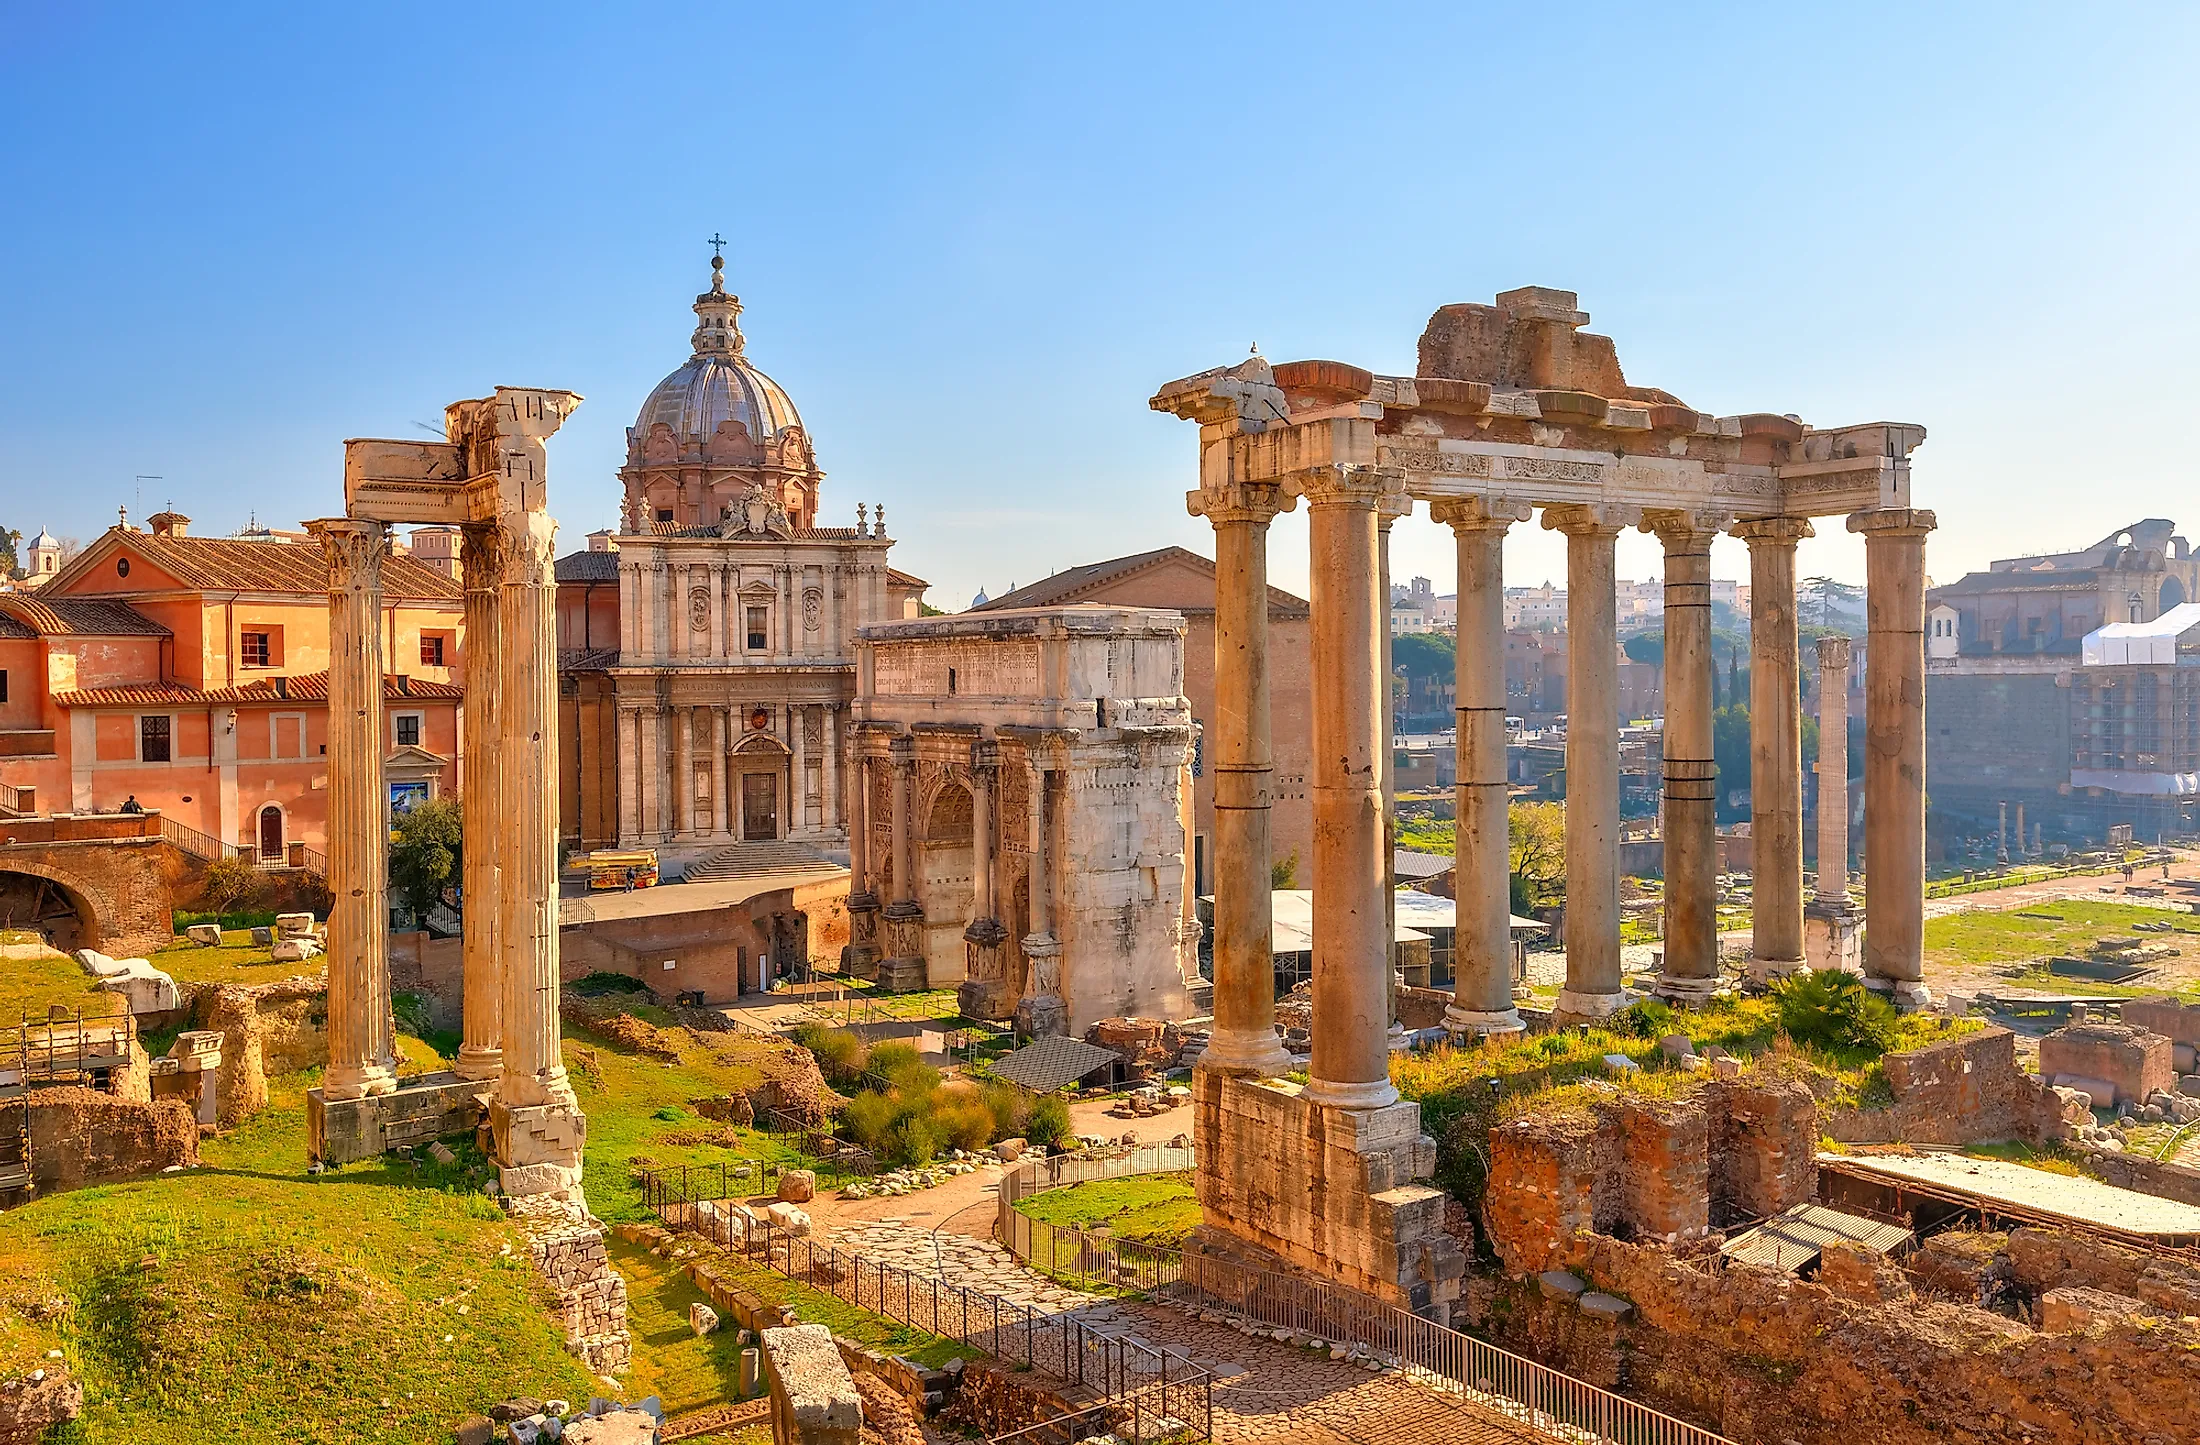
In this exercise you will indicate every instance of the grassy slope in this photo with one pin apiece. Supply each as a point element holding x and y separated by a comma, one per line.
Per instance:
<point>29,984</point>
<point>2017,935</point>
<point>1151,1208</point>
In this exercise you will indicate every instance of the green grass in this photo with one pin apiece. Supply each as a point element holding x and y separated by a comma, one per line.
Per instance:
<point>238,960</point>
<point>670,1361</point>
<point>1428,835</point>
<point>818,1307</point>
<point>2069,927</point>
<point>29,984</point>
<point>1158,1209</point>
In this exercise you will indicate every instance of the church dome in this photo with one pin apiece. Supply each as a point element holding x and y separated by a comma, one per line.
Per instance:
<point>718,384</point>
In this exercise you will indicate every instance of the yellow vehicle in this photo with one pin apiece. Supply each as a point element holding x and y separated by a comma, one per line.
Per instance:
<point>619,868</point>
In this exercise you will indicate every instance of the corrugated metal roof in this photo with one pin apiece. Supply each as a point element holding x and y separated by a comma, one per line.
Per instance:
<point>1793,1240</point>
<point>1044,1065</point>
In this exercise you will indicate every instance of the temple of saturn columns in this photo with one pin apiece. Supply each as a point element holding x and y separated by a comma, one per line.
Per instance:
<point>1514,408</point>
<point>489,479</point>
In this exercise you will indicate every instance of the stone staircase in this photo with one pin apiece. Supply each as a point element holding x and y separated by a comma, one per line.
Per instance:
<point>756,860</point>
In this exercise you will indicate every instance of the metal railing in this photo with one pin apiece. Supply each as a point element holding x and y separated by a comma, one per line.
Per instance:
<point>835,1156</point>
<point>1433,1354</point>
<point>197,844</point>
<point>574,912</point>
<point>1149,1388</point>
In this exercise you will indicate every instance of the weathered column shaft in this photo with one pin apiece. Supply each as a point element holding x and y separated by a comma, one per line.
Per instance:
<point>630,776</point>
<point>1894,749</point>
<point>717,771</point>
<point>534,1071</point>
<point>1592,759</point>
<point>1775,747</point>
<point>1833,768</point>
<point>1040,882</point>
<point>362,1058</point>
<point>1691,964</point>
<point>481,1052</point>
<point>904,765</point>
<point>982,775</point>
<point>1393,505</point>
<point>1352,973</point>
<point>1244,1035</point>
<point>1482,1000</point>
<point>859,825</point>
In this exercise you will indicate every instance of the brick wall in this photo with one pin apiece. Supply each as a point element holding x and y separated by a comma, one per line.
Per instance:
<point>1764,1146</point>
<point>1958,1092</point>
<point>80,1136</point>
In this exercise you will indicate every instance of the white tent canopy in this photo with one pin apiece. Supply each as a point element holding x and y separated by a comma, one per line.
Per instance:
<point>2122,643</point>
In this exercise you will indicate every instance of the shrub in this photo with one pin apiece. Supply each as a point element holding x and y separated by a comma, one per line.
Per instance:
<point>916,1140</point>
<point>1010,1107</point>
<point>963,1120</point>
<point>1049,1122</point>
<point>1830,1010</point>
<point>840,1054</point>
<point>869,1120</point>
<point>1645,1018</point>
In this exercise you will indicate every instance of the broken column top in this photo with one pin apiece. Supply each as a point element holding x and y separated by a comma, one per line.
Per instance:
<point>808,1369</point>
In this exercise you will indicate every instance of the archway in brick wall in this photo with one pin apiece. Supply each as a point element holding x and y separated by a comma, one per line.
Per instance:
<point>36,901</point>
<point>945,862</point>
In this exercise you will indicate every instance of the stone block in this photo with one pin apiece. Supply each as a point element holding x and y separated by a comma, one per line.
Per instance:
<point>97,964</point>
<point>146,987</point>
<point>2135,1060</point>
<point>474,1430</point>
<point>702,1318</point>
<point>2177,1022</point>
<point>812,1390</point>
<point>798,1186</point>
<point>1677,1046</point>
<point>1600,1306</point>
<point>2074,1307</point>
<point>2098,1093</point>
<point>788,1218</point>
<point>294,950</point>
<point>293,925</point>
<point>206,935</point>
<point>1560,1284</point>
<point>262,937</point>
<point>1621,1065</point>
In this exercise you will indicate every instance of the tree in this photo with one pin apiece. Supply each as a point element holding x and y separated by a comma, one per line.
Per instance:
<point>1425,655</point>
<point>228,884</point>
<point>1829,604</point>
<point>425,852</point>
<point>1645,647</point>
<point>1535,849</point>
<point>1284,872</point>
<point>10,564</point>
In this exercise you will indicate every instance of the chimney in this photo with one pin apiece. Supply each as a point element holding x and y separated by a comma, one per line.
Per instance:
<point>169,524</point>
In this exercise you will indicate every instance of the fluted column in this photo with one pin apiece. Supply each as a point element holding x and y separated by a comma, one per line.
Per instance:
<point>481,1051</point>
<point>362,1056</point>
<point>1389,509</point>
<point>798,782</point>
<point>1690,970</point>
<point>1833,772</point>
<point>1352,974</point>
<point>1041,1011</point>
<point>1775,748</point>
<point>717,771</point>
<point>985,768</point>
<point>648,806</point>
<point>683,770</point>
<point>1593,981</point>
<point>1894,751</point>
<point>1243,1040</point>
<point>1481,991</point>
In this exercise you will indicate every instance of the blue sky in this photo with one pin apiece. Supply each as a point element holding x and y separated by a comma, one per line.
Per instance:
<point>972,241</point>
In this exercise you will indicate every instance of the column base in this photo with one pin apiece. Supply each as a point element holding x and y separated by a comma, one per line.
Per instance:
<point>1252,1055</point>
<point>1042,1016</point>
<point>985,992</point>
<point>1576,1007</point>
<point>1686,988</point>
<point>1397,1040</point>
<point>1772,970</point>
<point>1479,1023</point>
<point>480,1065</point>
<point>860,961</point>
<point>537,1149</point>
<point>1909,995</point>
<point>1833,937</point>
<point>1376,1094</point>
<point>368,1082</point>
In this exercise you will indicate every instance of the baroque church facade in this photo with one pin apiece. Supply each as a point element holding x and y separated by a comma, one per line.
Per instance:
<point>708,644</point>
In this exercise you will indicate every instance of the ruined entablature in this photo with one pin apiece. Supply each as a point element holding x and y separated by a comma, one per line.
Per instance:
<point>1515,402</point>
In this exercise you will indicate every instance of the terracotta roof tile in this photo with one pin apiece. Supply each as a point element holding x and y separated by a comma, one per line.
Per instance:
<point>79,616</point>
<point>229,563</point>
<point>588,567</point>
<point>274,691</point>
<point>1075,584</point>
<point>15,629</point>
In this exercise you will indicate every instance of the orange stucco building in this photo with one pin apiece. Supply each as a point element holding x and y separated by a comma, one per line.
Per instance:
<point>191,674</point>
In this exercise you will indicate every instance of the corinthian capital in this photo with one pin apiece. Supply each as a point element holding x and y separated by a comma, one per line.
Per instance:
<point>1685,531</point>
<point>1255,502</point>
<point>1898,522</point>
<point>530,549</point>
<point>1339,485</point>
<point>355,550</point>
<point>1479,514</point>
<point>1591,519</point>
<point>481,555</point>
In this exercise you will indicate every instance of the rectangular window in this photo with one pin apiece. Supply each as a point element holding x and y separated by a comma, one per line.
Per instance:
<point>3,684</point>
<point>757,640</point>
<point>664,514</point>
<point>153,733</point>
<point>253,648</point>
<point>408,730</point>
<point>431,649</point>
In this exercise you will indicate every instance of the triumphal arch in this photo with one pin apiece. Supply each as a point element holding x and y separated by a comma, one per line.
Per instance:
<point>1514,410</point>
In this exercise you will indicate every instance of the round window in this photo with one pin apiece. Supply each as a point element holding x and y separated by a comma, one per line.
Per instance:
<point>122,566</point>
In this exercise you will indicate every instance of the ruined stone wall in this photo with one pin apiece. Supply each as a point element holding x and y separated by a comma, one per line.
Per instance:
<point>1769,1360</point>
<point>1959,1092</point>
<point>1764,1146</point>
<point>81,1136</point>
<point>2147,1176</point>
<point>1542,1189</point>
<point>566,1245</point>
<point>1664,1167</point>
<point>120,886</point>
<point>267,1030</point>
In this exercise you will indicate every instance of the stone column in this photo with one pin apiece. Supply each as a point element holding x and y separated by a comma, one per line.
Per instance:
<point>362,1056</point>
<point>863,899</point>
<point>1690,972</point>
<point>630,613</point>
<point>1352,974</point>
<point>1775,748</point>
<point>647,804</point>
<point>683,770</point>
<point>1244,1039</point>
<point>1831,921</point>
<point>2001,827</point>
<point>798,767</point>
<point>903,966</point>
<point>481,1052</point>
<point>630,776</point>
<point>2022,851</point>
<point>1393,506</point>
<point>1041,1011</point>
<point>1894,752</point>
<point>537,1126</point>
<point>717,772</point>
<point>983,992</point>
<point>1593,988</point>
<point>715,649</point>
<point>1481,993</point>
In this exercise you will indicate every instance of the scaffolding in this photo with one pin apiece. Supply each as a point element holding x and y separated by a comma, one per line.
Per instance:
<point>66,1049</point>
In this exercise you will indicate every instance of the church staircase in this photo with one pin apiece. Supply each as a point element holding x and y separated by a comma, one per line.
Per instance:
<point>757,860</point>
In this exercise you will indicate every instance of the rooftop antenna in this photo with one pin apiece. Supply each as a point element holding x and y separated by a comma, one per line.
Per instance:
<point>142,479</point>
<point>431,430</point>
